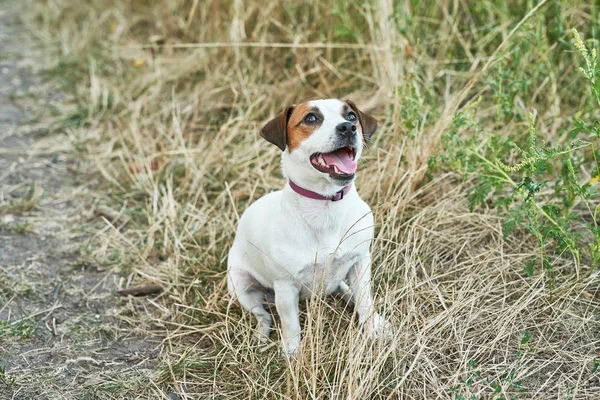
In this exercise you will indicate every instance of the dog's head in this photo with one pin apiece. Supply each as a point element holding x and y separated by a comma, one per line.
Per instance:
<point>321,141</point>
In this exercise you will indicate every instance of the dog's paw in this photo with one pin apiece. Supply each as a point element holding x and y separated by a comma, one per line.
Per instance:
<point>377,327</point>
<point>289,354</point>
<point>263,329</point>
<point>290,349</point>
<point>261,337</point>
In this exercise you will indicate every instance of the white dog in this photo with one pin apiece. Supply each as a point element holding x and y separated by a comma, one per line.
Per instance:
<point>314,235</point>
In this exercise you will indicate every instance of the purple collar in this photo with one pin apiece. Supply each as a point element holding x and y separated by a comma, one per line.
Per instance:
<point>312,195</point>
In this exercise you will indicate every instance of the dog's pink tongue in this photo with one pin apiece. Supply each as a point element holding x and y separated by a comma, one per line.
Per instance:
<point>342,160</point>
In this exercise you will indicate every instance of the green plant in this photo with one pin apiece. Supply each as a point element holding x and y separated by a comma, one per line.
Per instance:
<point>16,227</point>
<point>543,192</point>
<point>20,329</point>
<point>499,386</point>
<point>6,379</point>
<point>28,202</point>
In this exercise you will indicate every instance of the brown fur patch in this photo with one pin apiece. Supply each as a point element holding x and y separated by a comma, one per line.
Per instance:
<point>297,130</point>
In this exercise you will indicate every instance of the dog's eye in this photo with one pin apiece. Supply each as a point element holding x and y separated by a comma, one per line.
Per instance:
<point>351,116</point>
<point>310,118</point>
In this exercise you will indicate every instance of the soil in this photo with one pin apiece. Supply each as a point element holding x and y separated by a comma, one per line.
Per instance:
<point>63,328</point>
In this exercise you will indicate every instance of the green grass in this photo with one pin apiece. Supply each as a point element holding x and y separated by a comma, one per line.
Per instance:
<point>29,201</point>
<point>16,227</point>
<point>20,330</point>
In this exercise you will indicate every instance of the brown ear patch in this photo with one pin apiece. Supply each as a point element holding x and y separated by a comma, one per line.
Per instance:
<point>367,122</point>
<point>297,130</point>
<point>275,131</point>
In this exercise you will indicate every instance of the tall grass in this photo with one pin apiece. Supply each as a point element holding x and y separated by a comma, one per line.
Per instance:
<point>168,98</point>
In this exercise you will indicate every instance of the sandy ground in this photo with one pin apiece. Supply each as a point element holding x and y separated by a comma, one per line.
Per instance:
<point>60,332</point>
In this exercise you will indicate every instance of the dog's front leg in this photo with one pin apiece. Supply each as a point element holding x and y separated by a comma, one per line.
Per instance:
<point>286,302</point>
<point>359,278</point>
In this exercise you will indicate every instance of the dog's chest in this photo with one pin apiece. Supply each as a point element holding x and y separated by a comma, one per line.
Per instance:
<point>326,263</point>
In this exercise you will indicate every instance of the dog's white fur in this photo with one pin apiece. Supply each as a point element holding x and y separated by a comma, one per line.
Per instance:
<point>290,246</point>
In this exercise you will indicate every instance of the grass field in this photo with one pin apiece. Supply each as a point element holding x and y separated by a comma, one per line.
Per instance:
<point>483,180</point>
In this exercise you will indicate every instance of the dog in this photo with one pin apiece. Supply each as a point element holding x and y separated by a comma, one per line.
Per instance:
<point>314,236</point>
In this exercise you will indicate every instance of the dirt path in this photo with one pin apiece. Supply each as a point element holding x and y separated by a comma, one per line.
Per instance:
<point>63,333</point>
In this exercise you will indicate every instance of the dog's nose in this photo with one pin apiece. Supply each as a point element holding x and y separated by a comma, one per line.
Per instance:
<point>345,128</point>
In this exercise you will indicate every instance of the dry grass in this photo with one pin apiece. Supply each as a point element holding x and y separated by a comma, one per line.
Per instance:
<point>167,112</point>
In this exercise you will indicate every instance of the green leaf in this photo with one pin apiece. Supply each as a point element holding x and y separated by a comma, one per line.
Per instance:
<point>512,220</point>
<point>526,337</point>
<point>528,270</point>
<point>478,194</point>
<point>554,211</point>
<point>343,32</point>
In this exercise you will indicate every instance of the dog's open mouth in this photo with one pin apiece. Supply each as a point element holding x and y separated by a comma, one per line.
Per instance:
<point>338,163</point>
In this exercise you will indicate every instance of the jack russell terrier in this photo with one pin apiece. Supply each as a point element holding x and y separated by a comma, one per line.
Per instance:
<point>314,235</point>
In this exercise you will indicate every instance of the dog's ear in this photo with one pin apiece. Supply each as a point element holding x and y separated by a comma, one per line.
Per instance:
<point>368,123</point>
<point>275,131</point>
